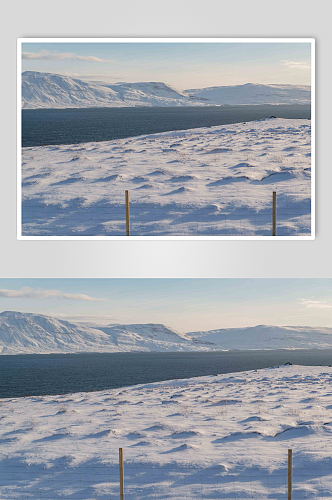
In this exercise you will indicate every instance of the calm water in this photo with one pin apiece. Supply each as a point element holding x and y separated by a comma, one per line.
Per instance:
<point>63,373</point>
<point>72,126</point>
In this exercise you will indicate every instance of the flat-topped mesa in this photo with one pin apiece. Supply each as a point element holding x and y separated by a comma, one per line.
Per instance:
<point>156,331</point>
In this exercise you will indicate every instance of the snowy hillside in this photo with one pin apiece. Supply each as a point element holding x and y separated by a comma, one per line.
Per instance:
<point>215,437</point>
<point>209,181</point>
<point>27,333</point>
<point>48,90</point>
<point>268,337</point>
<point>252,93</point>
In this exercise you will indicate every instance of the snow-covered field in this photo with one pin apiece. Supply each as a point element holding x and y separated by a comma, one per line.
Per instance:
<point>223,436</point>
<point>211,181</point>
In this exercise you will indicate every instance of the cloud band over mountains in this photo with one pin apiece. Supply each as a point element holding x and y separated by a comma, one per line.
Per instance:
<point>46,55</point>
<point>37,293</point>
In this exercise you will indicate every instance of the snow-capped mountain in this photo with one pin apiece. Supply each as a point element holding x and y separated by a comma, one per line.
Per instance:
<point>268,337</point>
<point>251,93</point>
<point>27,333</point>
<point>48,90</point>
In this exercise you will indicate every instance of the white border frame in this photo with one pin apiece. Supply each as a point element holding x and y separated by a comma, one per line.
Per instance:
<point>20,41</point>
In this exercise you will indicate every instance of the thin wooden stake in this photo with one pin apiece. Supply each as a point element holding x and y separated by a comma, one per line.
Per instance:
<point>274,213</point>
<point>290,474</point>
<point>127,213</point>
<point>121,474</point>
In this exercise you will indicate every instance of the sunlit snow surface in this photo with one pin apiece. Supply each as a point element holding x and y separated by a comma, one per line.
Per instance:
<point>205,181</point>
<point>223,436</point>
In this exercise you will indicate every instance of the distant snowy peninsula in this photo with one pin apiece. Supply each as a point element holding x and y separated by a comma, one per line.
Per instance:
<point>28,333</point>
<point>48,90</point>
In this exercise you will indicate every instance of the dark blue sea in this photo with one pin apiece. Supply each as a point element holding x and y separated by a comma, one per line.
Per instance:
<point>40,374</point>
<point>72,126</point>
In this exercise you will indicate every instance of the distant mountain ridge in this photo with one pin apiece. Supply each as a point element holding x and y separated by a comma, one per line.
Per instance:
<point>251,93</point>
<point>268,337</point>
<point>29,333</point>
<point>48,90</point>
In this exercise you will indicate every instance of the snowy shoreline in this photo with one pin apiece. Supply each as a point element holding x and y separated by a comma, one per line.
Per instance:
<point>187,106</point>
<point>223,436</point>
<point>210,181</point>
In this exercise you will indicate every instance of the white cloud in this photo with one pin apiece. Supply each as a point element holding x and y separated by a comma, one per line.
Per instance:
<point>37,293</point>
<point>315,304</point>
<point>296,64</point>
<point>46,55</point>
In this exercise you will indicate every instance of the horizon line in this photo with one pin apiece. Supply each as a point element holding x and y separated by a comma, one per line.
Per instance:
<point>163,324</point>
<point>160,81</point>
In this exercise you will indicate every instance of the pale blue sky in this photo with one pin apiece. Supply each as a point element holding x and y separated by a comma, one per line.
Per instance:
<point>184,304</point>
<point>183,65</point>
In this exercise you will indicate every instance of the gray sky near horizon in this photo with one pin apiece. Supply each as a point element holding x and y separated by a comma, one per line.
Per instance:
<point>182,65</point>
<point>183,304</point>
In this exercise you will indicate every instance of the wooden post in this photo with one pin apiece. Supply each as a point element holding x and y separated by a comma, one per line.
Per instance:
<point>290,474</point>
<point>121,474</point>
<point>274,213</point>
<point>127,213</point>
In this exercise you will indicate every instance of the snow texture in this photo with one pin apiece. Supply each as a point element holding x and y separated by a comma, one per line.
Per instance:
<point>222,436</point>
<point>210,181</point>
<point>28,333</point>
<point>48,90</point>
